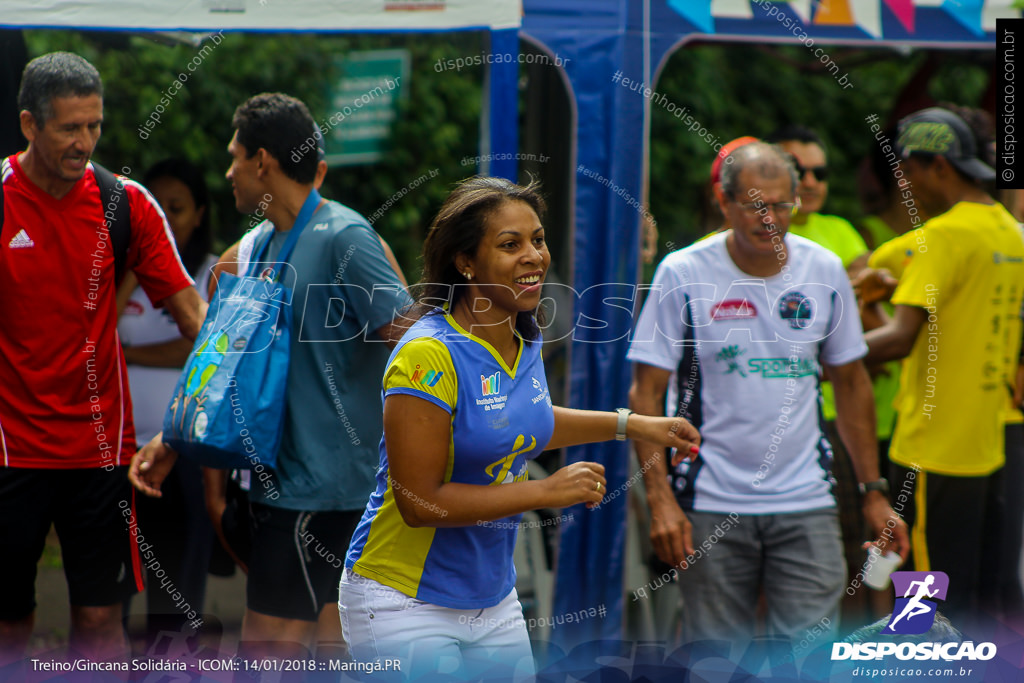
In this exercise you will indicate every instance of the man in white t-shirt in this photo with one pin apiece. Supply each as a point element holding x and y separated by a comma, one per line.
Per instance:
<point>733,336</point>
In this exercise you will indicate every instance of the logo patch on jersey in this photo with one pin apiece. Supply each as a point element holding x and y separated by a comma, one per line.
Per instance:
<point>728,355</point>
<point>427,378</point>
<point>906,257</point>
<point>997,257</point>
<point>501,470</point>
<point>733,309</point>
<point>490,385</point>
<point>319,227</point>
<point>21,241</point>
<point>796,308</point>
<point>543,393</point>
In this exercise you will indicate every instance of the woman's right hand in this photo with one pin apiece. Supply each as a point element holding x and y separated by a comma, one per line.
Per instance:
<point>580,482</point>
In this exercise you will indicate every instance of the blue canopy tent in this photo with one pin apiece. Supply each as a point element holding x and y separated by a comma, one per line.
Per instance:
<point>501,18</point>
<point>604,41</point>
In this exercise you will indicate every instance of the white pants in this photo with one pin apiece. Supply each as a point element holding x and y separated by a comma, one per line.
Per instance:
<point>381,623</point>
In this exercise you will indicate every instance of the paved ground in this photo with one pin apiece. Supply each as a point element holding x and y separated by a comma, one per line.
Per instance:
<point>225,604</point>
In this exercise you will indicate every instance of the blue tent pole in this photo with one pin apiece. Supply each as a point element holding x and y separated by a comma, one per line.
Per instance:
<point>500,139</point>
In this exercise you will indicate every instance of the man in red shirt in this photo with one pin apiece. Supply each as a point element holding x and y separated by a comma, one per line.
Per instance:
<point>66,433</point>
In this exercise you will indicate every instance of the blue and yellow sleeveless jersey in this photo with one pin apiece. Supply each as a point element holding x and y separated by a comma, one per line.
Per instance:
<point>500,417</point>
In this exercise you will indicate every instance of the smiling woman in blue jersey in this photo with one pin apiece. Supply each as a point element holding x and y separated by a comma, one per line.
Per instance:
<point>429,578</point>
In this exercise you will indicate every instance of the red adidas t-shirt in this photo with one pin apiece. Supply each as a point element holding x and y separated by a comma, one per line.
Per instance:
<point>64,401</point>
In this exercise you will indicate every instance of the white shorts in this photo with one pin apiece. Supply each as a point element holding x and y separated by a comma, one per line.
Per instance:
<point>380,623</point>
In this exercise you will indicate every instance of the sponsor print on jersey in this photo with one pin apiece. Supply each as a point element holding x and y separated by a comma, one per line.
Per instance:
<point>771,368</point>
<point>543,392</point>
<point>796,308</point>
<point>728,355</point>
<point>21,241</point>
<point>733,309</point>
<point>997,258</point>
<point>490,385</point>
<point>500,471</point>
<point>427,378</point>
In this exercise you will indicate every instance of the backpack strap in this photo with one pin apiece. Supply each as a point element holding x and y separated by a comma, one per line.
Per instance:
<point>117,216</point>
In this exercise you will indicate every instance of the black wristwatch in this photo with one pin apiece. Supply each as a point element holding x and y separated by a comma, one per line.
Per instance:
<point>877,485</point>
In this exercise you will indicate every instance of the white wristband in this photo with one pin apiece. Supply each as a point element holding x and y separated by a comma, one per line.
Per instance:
<point>620,429</point>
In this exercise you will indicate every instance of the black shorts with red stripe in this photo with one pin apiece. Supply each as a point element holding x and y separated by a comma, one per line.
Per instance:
<point>93,511</point>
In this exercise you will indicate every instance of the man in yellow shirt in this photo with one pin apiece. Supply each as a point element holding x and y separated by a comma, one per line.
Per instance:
<point>957,324</point>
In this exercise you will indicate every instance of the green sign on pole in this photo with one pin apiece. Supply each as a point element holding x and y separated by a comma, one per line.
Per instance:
<point>364,103</point>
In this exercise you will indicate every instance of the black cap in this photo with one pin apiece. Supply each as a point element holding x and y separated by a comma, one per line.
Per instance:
<point>940,131</point>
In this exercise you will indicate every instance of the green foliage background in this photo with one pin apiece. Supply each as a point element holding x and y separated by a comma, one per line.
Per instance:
<point>733,90</point>
<point>737,90</point>
<point>437,127</point>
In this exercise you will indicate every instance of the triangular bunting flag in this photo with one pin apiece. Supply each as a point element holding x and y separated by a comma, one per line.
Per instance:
<point>738,9</point>
<point>802,9</point>
<point>997,9</point>
<point>967,13</point>
<point>834,13</point>
<point>697,12</point>
<point>904,11</point>
<point>868,16</point>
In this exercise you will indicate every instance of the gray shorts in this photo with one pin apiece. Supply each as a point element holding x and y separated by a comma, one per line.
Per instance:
<point>795,559</point>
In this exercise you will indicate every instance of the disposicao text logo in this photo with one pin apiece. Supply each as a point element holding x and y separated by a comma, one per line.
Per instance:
<point>914,611</point>
<point>912,615</point>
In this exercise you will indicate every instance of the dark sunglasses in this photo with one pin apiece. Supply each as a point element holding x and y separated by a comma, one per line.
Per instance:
<point>819,172</point>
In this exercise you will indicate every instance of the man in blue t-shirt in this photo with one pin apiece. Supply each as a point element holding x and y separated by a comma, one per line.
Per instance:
<point>345,295</point>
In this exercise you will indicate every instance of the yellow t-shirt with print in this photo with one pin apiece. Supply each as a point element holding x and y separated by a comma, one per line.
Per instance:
<point>968,273</point>
<point>894,256</point>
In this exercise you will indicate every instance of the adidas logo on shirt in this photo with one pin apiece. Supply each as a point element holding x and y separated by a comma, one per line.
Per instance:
<point>21,240</point>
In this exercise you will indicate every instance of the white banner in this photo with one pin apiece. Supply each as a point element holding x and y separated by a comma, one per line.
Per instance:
<point>265,15</point>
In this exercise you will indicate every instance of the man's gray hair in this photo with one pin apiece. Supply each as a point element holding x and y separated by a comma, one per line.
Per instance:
<point>57,74</point>
<point>768,161</point>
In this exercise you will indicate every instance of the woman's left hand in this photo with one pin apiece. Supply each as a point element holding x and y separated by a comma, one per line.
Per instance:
<point>670,432</point>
